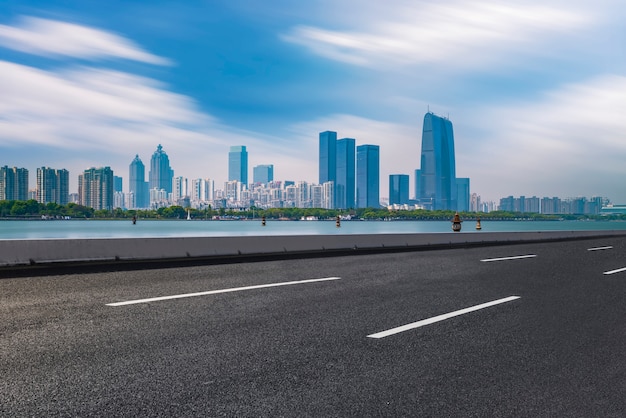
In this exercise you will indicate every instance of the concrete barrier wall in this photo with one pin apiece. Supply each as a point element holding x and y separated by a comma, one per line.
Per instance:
<point>24,252</point>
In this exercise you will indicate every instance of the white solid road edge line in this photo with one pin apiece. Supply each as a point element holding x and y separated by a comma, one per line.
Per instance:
<point>599,248</point>
<point>439,318</point>
<point>516,257</point>
<point>214,292</point>
<point>615,271</point>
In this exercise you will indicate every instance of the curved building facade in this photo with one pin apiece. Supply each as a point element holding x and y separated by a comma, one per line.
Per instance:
<point>437,165</point>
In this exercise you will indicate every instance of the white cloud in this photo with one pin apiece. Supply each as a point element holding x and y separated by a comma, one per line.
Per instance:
<point>453,35</point>
<point>53,38</point>
<point>569,142</point>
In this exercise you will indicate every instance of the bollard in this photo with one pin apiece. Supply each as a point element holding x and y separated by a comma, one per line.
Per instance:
<point>338,222</point>
<point>263,221</point>
<point>456,223</point>
<point>478,226</point>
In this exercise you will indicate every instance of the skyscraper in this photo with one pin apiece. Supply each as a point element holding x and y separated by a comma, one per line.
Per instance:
<point>367,176</point>
<point>137,184</point>
<point>399,189</point>
<point>52,186</point>
<point>345,187</point>
<point>463,194</point>
<point>95,188</point>
<point>328,157</point>
<point>13,183</point>
<point>263,174</point>
<point>161,174</point>
<point>238,164</point>
<point>437,166</point>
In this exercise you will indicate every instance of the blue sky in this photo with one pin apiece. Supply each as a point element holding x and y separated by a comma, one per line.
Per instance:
<point>536,90</point>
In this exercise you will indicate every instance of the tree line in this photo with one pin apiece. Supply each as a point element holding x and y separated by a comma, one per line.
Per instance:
<point>31,209</point>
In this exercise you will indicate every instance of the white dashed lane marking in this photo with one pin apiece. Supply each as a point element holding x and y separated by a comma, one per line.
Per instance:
<point>439,318</point>
<point>599,248</point>
<point>515,257</point>
<point>214,292</point>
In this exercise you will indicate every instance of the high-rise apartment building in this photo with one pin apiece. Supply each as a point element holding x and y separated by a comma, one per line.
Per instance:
<point>53,186</point>
<point>398,189</point>
<point>238,164</point>
<point>437,164</point>
<point>161,174</point>
<point>13,183</point>
<point>95,188</point>
<point>180,188</point>
<point>345,185</point>
<point>367,176</point>
<point>263,174</point>
<point>137,185</point>
<point>202,190</point>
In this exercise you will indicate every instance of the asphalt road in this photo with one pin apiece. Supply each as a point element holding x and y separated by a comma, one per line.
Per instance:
<point>308,348</point>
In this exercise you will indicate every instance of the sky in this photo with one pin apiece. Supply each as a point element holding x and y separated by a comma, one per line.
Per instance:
<point>535,89</point>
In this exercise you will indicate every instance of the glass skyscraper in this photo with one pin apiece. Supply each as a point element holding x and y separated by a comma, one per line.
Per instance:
<point>238,164</point>
<point>263,174</point>
<point>161,174</point>
<point>463,194</point>
<point>328,157</point>
<point>437,166</point>
<point>137,184</point>
<point>345,186</point>
<point>399,189</point>
<point>367,176</point>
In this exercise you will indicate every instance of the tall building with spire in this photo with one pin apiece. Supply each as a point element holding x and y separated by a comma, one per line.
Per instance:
<point>161,174</point>
<point>437,174</point>
<point>238,164</point>
<point>137,185</point>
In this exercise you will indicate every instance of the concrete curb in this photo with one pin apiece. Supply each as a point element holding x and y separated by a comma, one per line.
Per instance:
<point>37,252</point>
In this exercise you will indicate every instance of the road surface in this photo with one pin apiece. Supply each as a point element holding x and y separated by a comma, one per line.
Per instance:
<point>517,330</point>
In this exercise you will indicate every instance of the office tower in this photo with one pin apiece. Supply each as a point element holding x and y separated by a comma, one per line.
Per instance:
<point>345,187</point>
<point>95,188</point>
<point>263,174</point>
<point>238,164</point>
<point>438,172</point>
<point>13,183</point>
<point>117,184</point>
<point>137,184</point>
<point>399,189</point>
<point>161,174</point>
<point>327,157</point>
<point>52,186</point>
<point>462,194</point>
<point>367,176</point>
<point>418,184</point>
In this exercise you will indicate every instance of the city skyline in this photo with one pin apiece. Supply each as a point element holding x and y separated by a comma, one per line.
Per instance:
<point>533,87</point>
